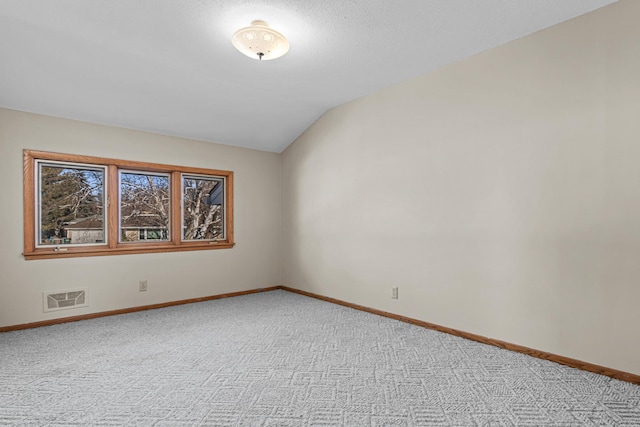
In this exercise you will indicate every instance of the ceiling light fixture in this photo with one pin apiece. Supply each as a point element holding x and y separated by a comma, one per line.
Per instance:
<point>260,42</point>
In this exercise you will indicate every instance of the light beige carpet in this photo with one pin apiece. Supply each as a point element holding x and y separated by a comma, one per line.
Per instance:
<point>282,359</point>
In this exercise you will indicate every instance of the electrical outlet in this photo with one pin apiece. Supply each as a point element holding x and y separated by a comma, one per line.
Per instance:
<point>143,285</point>
<point>394,292</point>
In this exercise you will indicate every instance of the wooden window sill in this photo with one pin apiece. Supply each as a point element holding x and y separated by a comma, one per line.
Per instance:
<point>123,250</point>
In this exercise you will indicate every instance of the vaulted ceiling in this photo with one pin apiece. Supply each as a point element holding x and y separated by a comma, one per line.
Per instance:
<point>168,66</point>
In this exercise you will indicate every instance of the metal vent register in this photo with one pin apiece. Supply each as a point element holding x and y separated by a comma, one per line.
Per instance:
<point>66,299</point>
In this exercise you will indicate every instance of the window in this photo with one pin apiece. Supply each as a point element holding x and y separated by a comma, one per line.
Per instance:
<point>89,206</point>
<point>144,206</point>
<point>202,212</point>
<point>70,204</point>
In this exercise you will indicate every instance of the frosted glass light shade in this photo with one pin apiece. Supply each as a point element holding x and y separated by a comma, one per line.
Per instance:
<point>260,42</point>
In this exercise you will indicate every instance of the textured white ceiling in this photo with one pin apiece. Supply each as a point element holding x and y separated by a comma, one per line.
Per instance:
<point>168,66</point>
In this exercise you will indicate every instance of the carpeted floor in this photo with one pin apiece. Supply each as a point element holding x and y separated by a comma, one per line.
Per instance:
<point>281,359</point>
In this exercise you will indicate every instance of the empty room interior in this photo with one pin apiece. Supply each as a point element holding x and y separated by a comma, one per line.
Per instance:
<point>465,168</point>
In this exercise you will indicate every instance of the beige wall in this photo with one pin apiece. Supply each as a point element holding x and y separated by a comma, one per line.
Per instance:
<point>500,194</point>
<point>113,280</point>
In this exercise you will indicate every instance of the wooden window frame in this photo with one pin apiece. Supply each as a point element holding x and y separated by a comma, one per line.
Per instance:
<point>113,246</point>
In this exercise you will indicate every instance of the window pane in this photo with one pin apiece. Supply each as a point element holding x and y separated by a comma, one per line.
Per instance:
<point>144,207</point>
<point>203,206</point>
<point>71,204</point>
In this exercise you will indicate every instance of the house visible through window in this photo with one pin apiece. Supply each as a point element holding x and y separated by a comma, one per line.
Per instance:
<point>80,206</point>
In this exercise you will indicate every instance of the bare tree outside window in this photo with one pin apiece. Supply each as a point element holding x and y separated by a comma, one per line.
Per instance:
<point>71,204</point>
<point>144,206</point>
<point>203,200</point>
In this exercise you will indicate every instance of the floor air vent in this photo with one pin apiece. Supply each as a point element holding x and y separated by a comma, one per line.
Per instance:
<point>66,299</point>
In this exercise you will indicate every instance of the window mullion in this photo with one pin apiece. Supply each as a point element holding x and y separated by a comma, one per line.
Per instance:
<point>112,221</point>
<point>176,207</point>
